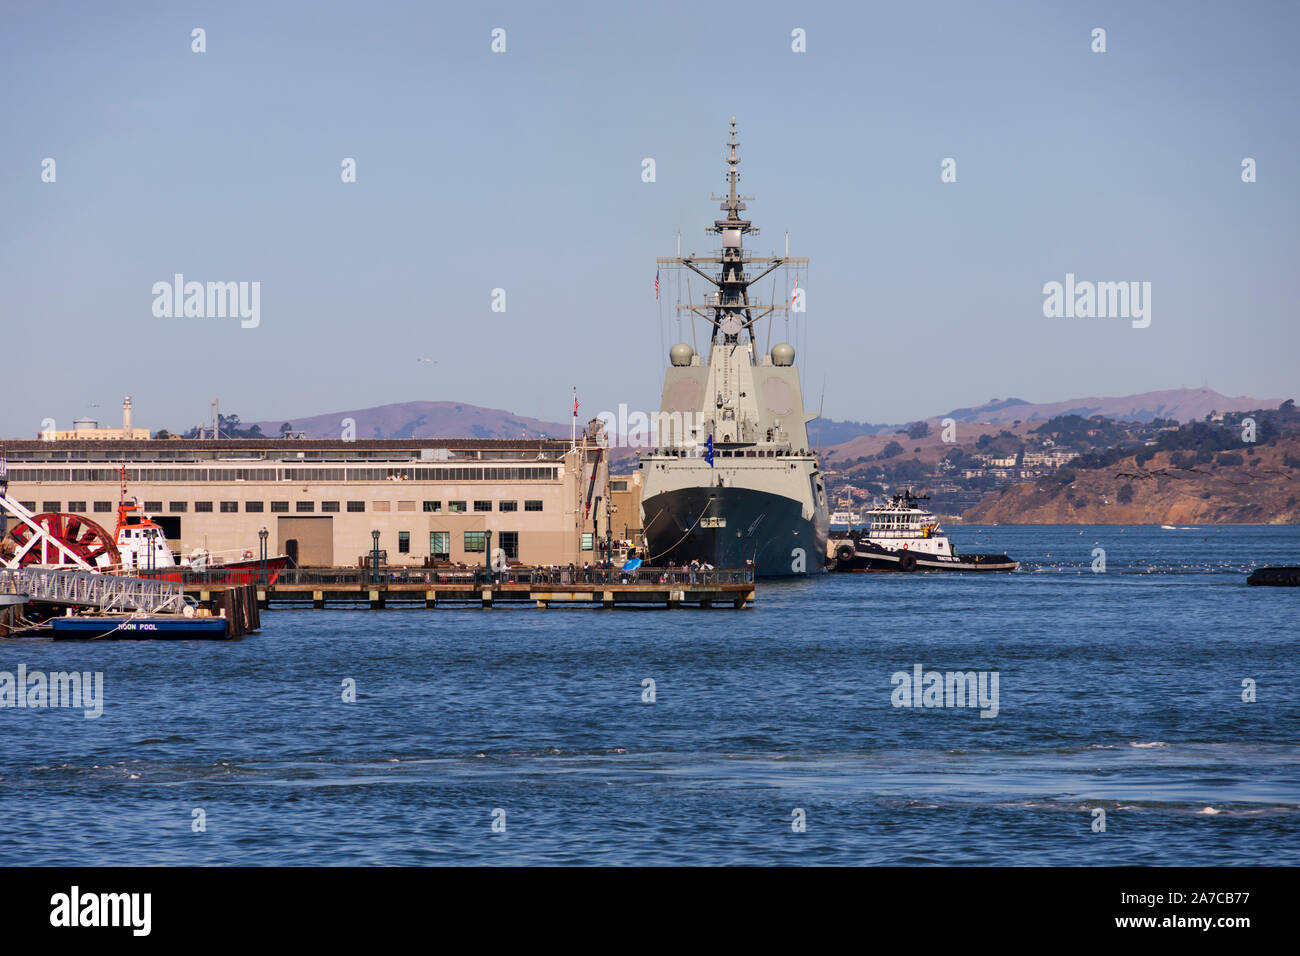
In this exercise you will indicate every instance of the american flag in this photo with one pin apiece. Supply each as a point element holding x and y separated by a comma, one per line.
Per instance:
<point>656,283</point>
<point>575,406</point>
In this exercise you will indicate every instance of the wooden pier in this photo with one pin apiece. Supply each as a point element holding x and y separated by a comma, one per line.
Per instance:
<point>540,588</point>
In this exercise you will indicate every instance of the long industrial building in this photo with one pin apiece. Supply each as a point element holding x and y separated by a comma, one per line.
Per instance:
<point>543,501</point>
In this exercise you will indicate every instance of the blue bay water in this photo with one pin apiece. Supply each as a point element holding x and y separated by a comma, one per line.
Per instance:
<point>1119,690</point>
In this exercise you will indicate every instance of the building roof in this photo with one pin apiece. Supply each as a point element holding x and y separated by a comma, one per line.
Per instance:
<point>283,449</point>
<point>289,444</point>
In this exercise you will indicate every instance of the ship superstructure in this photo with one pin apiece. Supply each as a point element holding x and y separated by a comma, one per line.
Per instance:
<point>733,478</point>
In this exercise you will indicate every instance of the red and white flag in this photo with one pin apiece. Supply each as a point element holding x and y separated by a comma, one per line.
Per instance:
<point>794,295</point>
<point>656,283</point>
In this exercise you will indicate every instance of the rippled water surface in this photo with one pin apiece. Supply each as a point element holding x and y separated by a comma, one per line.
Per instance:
<point>1119,690</point>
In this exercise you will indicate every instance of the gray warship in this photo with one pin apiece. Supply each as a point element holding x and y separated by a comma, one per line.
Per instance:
<point>732,478</point>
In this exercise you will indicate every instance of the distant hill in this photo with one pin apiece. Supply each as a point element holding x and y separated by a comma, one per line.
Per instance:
<point>1199,473</point>
<point>459,420</point>
<point>928,449</point>
<point>1180,404</point>
<point>831,432</point>
<point>1256,486</point>
<point>422,420</point>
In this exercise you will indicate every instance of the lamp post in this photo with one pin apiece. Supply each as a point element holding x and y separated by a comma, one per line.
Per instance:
<point>374,557</point>
<point>261,537</point>
<point>487,555</point>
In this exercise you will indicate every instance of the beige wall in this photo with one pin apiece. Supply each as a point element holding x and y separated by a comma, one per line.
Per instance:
<point>549,536</point>
<point>626,519</point>
<point>98,434</point>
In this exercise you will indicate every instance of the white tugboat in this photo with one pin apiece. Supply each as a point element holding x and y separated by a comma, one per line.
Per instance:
<point>902,537</point>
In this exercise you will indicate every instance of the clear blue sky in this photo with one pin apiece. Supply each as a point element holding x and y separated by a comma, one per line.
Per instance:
<point>523,171</point>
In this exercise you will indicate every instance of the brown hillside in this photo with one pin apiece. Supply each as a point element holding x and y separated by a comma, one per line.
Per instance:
<point>932,445</point>
<point>1261,490</point>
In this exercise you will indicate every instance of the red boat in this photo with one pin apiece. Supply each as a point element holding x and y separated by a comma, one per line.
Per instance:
<point>142,549</point>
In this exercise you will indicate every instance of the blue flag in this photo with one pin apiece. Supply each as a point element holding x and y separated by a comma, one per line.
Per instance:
<point>708,451</point>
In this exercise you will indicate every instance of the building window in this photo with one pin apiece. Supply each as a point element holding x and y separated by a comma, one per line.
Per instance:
<point>279,506</point>
<point>29,505</point>
<point>203,506</point>
<point>586,541</point>
<point>433,506</point>
<point>178,507</point>
<point>618,485</point>
<point>252,506</point>
<point>507,506</point>
<point>440,545</point>
<point>51,506</point>
<point>406,506</point>
<point>76,506</point>
<point>381,506</point>
<point>533,505</point>
<point>229,507</point>
<point>475,541</point>
<point>356,506</point>
<point>510,544</point>
<point>304,506</point>
<point>153,506</point>
<point>482,506</point>
<point>403,542</point>
<point>104,507</point>
<point>456,507</point>
<point>329,506</point>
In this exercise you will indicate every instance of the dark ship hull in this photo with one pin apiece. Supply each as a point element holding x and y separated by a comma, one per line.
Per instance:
<point>728,527</point>
<point>1275,576</point>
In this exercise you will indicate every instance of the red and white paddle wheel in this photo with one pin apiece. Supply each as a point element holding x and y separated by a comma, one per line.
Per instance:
<point>51,537</point>
<point>55,538</point>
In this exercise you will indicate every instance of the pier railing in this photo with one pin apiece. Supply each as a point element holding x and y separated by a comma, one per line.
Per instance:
<point>106,592</point>
<point>360,578</point>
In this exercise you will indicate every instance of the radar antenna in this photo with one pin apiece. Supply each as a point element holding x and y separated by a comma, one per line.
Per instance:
<point>730,310</point>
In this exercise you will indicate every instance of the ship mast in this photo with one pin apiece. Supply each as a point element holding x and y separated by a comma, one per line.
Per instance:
<point>731,312</point>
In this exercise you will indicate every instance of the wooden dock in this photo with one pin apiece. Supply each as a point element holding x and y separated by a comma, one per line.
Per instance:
<point>540,588</point>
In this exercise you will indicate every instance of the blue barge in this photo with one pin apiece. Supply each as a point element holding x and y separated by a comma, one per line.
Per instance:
<point>123,628</point>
